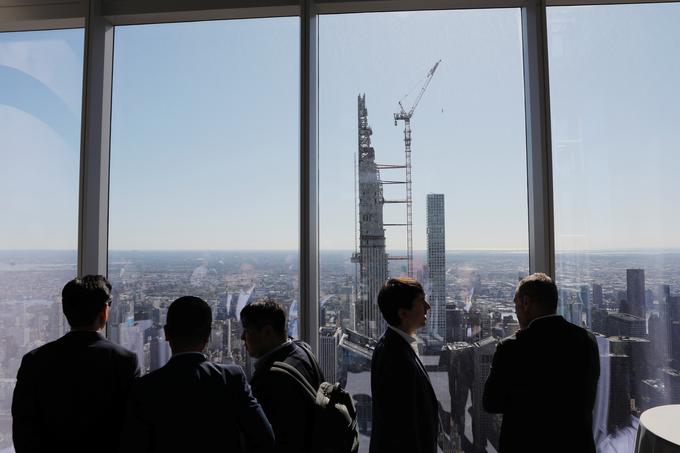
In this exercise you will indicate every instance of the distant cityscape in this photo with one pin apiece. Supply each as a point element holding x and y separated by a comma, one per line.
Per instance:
<point>605,291</point>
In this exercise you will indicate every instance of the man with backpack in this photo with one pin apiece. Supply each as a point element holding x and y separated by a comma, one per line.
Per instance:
<point>286,382</point>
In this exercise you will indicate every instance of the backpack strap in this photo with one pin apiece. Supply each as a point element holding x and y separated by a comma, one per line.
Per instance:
<point>312,359</point>
<point>292,372</point>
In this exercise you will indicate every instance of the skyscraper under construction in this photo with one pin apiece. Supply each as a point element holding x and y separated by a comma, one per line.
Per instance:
<point>371,256</point>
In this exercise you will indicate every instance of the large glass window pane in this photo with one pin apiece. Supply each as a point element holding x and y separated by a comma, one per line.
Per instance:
<point>469,200</point>
<point>204,176</point>
<point>40,104</point>
<point>615,107</point>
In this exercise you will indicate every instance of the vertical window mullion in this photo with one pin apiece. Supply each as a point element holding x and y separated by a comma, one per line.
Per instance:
<point>95,141</point>
<point>309,209</point>
<point>539,150</point>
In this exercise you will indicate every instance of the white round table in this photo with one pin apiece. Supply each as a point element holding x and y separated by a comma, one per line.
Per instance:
<point>659,430</point>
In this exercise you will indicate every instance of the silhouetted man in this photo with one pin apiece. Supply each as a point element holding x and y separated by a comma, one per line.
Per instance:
<point>283,400</point>
<point>405,408</point>
<point>544,378</point>
<point>70,393</point>
<point>191,404</point>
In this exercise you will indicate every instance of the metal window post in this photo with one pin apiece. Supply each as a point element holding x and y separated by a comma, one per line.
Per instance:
<point>538,139</point>
<point>309,176</point>
<point>95,140</point>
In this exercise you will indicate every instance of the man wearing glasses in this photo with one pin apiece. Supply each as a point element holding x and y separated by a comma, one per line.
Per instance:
<point>70,393</point>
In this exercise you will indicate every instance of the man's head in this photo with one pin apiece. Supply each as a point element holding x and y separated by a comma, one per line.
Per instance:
<point>264,326</point>
<point>536,296</point>
<point>86,301</point>
<point>402,303</point>
<point>188,324</point>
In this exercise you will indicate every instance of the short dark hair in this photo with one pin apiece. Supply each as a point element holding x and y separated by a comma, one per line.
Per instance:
<point>189,320</point>
<point>398,293</point>
<point>82,299</point>
<point>265,312</point>
<point>540,288</point>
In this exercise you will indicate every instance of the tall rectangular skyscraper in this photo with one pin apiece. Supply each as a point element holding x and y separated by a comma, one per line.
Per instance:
<point>436,263</point>
<point>635,292</point>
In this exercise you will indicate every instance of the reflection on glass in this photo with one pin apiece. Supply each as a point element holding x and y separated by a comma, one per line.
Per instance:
<point>466,142</point>
<point>615,104</point>
<point>204,177</point>
<point>40,101</point>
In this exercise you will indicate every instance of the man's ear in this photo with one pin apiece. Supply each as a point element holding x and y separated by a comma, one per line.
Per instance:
<point>166,331</point>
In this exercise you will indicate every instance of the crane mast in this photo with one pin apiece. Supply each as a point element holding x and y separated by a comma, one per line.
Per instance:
<point>405,116</point>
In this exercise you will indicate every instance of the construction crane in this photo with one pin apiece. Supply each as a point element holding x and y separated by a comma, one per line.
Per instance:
<point>405,116</point>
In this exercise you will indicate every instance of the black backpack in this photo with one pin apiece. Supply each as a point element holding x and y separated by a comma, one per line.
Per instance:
<point>334,428</point>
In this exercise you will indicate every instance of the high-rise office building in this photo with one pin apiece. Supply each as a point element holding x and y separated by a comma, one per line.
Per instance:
<point>436,263</point>
<point>586,300</point>
<point>639,352</point>
<point>624,324</point>
<point>599,320</point>
<point>371,257</point>
<point>159,352</point>
<point>653,394</point>
<point>635,292</point>
<point>576,312</point>
<point>457,359</point>
<point>329,353</point>
<point>674,307</point>
<point>671,379</point>
<point>619,392</point>
<point>485,426</point>
<point>597,294</point>
<point>455,324</point>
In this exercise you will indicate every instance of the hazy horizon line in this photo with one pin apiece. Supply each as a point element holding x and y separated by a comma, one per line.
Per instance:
<point>478,250</point>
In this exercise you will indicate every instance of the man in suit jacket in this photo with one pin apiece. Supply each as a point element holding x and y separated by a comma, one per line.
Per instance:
<point>191,404</point>
<point>405,408</point>
<point>70,393</point>
<point>543,380</point>
<point>286,405</point>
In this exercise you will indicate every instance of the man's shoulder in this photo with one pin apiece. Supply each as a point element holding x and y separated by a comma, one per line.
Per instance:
<point>557,330</point>
<point>116,349</point>
<point>63,346</point>
<point>391,340</point>
<point>294,355</point>
<point>167,373</point>
<point>392,351</point>
<point>230,371</point>
<point>45,350</point>
<point>510,344</point>
<point>575,332</point>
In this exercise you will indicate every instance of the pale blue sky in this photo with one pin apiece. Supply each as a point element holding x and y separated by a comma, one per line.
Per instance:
<point>204,150</point>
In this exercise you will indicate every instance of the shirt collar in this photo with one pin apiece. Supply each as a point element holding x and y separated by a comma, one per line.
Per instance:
<point>189,352</point>
<point>542,317</point>
<point>262,360</point>
<point>411,340</point>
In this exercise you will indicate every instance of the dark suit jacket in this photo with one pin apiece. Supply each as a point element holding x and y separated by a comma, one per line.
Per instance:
<point>193,405</point>
<point>405,408</point>
<point>70,395</point>
<point>287,407</point>
<point>543,381</point>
